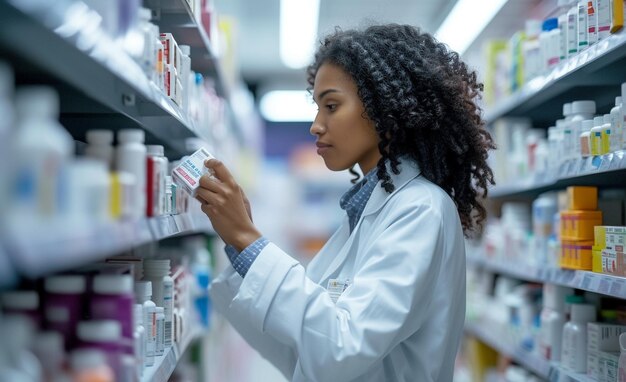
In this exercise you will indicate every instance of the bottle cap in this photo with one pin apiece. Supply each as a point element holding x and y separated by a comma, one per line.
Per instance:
<point>554,296</point>
<point>145,14</point>
<point>618,101</point>
<point>533,27</point>
<point>156,150</point>
<point>185,49</point>
<point>606,118</point>
<point>583,107</point>
<point>99,137</point>
<point>37,101</point>
<point>49,343</point>
<point>549,24</point>
<point>131,136</point>
<point>99,331</point>
<point>73,284</point>
<point>143,288</point>
<point>113,284</point>
<point>20,300</point>
<point>583,313</point>
<point>160,309</point>
<point>567,109</point>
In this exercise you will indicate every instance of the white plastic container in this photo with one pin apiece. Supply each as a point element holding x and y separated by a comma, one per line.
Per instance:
<point>574,347</point>
<point>596,136</point>
<point>143,293</point>
<point>604,13</point>
<point>130,157</point>
<point>139,340</point>
<point>184,74</point>
<point>158,272</point>
<point>100,146</point>
<point>41,149</point>
<point>89,190</point>
<point>592,21</point>
<point>617,125</point>
<point>160,324</point>
<point>585,138</point>
<point>572,29</point>
<point>552,319</point>
<point>583,41</point>
<point>543,209</point>
<point>581,110</point>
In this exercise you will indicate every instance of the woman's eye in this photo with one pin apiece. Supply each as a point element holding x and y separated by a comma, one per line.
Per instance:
<point>331,107</point>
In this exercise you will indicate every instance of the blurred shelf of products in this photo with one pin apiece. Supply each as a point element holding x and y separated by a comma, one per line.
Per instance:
<point>546,277</point>
<point>105,258</point>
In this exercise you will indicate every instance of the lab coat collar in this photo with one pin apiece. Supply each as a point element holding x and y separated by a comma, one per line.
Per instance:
<point>408,171</point>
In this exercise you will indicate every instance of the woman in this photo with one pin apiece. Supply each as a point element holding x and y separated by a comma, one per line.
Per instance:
<point>384,299</point>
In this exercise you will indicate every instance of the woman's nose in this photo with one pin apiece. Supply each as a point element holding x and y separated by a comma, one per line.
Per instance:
<point>317,128</point>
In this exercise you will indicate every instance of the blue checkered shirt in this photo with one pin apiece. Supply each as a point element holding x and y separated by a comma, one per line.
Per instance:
<point>353,202</point>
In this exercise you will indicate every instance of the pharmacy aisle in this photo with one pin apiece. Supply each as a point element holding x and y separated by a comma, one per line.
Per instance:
<point>105,257</point>
<point>547,278</point>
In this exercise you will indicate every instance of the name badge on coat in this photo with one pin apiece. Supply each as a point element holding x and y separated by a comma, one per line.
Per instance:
<point>336,287</point>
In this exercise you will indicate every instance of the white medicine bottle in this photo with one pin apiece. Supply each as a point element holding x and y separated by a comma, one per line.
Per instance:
<point>616,125</point>
<point>143,293</point>
<point>581,110</point>
<point>100,146</point>
<point>41,150</point>
<point>552,319</point>
<point>130,157</point>
<point>574,346</point>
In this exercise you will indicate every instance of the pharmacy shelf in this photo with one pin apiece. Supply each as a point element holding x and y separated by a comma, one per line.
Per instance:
<point>549,370</point>
<point>101,85</point>
<point>605,170</point>
<point>164,365</point>
<point>57,247</point>
<point>177,17</point>
<point>595,73</point>
<point>585,280</point>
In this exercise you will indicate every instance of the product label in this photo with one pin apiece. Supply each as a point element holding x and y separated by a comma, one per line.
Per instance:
<point>189,172</point>
<point>168,291</point>
<point>582,25</point>
<point>592,21</point>
<point>572,32</point>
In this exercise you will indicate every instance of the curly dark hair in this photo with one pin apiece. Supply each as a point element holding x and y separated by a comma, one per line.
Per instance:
<point>422,100</point>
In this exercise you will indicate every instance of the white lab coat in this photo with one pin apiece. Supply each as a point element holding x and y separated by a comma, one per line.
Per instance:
<point>402,317</point>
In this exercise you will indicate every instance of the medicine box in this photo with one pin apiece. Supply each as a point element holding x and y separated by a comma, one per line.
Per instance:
<point>579,225</point>
<point>582,198</point>
<point>188,173</point>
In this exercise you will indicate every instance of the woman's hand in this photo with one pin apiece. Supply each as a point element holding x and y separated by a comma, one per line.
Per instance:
<point>227,207</point>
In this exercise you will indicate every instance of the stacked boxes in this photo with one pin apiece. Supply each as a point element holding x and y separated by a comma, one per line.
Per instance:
<point>577,227</point>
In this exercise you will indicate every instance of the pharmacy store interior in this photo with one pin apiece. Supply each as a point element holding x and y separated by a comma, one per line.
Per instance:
<point>111,108</point>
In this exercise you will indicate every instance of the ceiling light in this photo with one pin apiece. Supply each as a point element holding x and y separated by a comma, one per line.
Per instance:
<point>298,31</point>
<point>288,106</point>
<point>465,22</point>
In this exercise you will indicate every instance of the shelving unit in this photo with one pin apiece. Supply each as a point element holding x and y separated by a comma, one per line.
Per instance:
<point>549,370</point>
<point>60,247</point>
<point>594,74</point>
<point>593,282</point>
<point>605,170</point>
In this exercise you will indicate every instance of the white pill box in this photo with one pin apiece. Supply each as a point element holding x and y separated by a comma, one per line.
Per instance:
<point>188,173</point>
